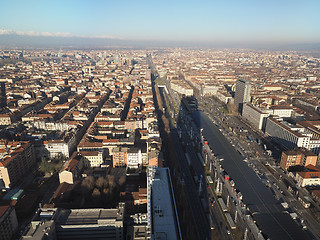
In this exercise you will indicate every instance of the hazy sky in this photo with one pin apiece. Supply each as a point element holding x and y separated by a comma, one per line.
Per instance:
<point>281,21</point>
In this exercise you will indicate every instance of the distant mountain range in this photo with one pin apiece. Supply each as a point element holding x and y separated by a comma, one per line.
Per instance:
<point>19,41</point>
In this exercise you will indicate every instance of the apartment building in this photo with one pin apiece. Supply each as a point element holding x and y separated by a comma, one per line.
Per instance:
<point>63,146</point>
<point>17,161</point>
<point>286,134</point>
<point>223,96</point>
<point>47,125</point>
<point>209,90</point>
<point>5,119</point>
<point>119,156</point>
<point>134,158</point>
<point>181,87</point>
<point>256,116</point>
<point>312,127</point>
<point>93,158</point>
<point>154,158</point>
<point>71,171</point>
<point>283,111</point>
<point>309,177</point>
<point>8,222</point>
<point>301,156</point>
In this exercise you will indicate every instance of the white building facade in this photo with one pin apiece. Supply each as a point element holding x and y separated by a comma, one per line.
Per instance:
<point>254,115</point>
<point>288,136</point>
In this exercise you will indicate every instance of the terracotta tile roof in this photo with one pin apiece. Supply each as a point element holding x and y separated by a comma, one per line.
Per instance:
<point>309,174</point>
<point>73,162</point>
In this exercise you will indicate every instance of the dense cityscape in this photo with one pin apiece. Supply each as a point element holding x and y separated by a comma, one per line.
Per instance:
<point>159,120</point>
<point>159,144</point>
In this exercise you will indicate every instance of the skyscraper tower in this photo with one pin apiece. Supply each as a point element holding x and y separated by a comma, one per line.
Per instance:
<point>3,97</point>
<point>242,94</point>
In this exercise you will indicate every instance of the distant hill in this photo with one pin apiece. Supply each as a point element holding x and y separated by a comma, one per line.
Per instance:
<point>52,42</point>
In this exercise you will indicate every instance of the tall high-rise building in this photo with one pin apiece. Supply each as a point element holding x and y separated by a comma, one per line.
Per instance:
<point>3,97</point>
<point>242,94</point>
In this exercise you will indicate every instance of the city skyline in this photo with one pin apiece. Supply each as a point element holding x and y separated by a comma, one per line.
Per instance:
<point>205,23</point>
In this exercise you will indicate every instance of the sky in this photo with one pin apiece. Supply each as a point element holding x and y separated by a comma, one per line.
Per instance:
<point>217,21</point>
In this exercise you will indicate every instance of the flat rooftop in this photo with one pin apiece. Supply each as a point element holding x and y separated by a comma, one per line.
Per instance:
<point>88,216</point>
<point>163,216</point>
